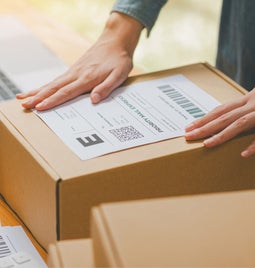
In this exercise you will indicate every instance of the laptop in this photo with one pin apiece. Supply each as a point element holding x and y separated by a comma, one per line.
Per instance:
<point>25,62</point>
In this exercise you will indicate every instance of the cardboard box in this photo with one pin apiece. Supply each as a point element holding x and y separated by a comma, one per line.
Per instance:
<point>52,190</point>
<point>71,253</point>
<point>213,230</point>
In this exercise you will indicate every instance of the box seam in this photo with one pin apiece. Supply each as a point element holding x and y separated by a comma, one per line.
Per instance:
<point>58,209</point>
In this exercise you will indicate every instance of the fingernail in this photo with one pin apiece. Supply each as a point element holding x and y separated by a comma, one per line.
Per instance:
<point>95,97</point>
<point>208,142</point>
<point>26,103</point>
<point>189,127</point>
<point>41,105</point>
<point>191,134</point>
<point>188,136</point>
<point>245,153</point>
<point>19,95</point>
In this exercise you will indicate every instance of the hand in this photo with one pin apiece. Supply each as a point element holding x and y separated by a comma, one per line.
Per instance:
<point>100,70</point>
<point>225,122</point>
<point>96,71</point>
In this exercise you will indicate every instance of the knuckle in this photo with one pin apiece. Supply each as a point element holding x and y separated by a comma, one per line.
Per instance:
<point>242,122</point>
<point>224,119</point>
<point>67,93</point>
<point>53,86</point>
<point>89,75</point>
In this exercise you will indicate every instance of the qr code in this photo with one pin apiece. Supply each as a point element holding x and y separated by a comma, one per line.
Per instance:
<point>126,133</point>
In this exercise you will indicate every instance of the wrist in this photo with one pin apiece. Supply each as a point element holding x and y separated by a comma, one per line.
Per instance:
<point>123,30</point>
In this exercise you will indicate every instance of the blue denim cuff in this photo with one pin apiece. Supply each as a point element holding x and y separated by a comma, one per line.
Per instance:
<point>145,11</point>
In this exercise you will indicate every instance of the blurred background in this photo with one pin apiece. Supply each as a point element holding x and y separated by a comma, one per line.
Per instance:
<point>186,31</point>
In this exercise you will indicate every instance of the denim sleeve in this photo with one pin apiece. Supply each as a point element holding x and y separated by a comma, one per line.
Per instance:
<point>145,11</point>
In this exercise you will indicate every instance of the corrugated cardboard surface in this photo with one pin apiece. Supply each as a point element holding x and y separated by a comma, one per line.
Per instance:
<point>26,182</point>
<point>53,190</point>
<point>71,254</point>
<point>214,230</point>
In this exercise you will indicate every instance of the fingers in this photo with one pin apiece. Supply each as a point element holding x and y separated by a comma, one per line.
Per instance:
<point>242,124</point>
<point>216,113</point>
<point>249,151</point>
<point>216,125</point>
<point>225,122</point>
<point>24,95</point>
<point>38,95</point>
<point>104,89</point>
<point>60,96</point>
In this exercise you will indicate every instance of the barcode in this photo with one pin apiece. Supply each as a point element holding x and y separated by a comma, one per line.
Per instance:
<point>4,249</point>
<point>182,101</point>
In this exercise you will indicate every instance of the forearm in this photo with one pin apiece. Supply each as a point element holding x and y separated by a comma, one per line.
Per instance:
<point>123,30</point>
